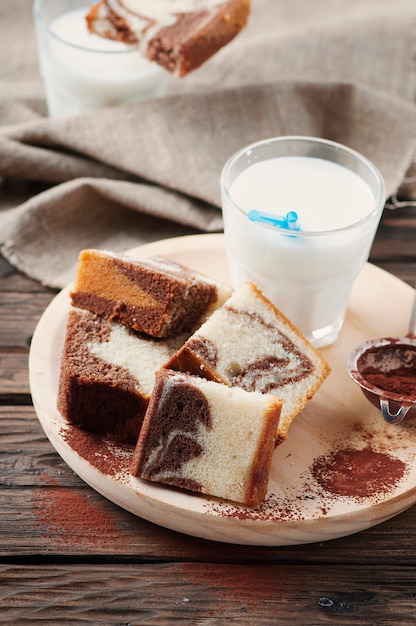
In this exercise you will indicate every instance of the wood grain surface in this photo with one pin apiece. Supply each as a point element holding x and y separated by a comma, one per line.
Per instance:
<point>70,556</point>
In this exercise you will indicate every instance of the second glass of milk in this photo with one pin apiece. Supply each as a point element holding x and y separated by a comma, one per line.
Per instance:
<point>83,71</point>
<point>338,196</point>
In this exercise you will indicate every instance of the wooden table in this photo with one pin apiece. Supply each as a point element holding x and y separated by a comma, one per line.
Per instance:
<point>69,556</point>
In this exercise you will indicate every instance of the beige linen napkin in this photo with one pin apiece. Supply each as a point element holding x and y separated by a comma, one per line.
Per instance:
<point>126,175</point>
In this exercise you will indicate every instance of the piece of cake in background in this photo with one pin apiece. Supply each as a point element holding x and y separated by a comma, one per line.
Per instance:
<point>249,343</point>
<point>206,437</point>
<point>179,35</point>
<point>153,295</point>
<point>107,375</point>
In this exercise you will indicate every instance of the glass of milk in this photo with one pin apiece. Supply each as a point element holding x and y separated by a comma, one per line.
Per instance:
<point>318,205</point>
<point>84,72</point>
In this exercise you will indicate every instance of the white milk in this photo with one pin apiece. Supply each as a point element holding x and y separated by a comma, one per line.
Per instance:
<point>83,71</point>
<point>325,195</point>
<point>307,274</point>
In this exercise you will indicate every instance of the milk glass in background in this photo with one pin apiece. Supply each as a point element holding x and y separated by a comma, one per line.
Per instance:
<point>83,71</point>
<point>314,209</point>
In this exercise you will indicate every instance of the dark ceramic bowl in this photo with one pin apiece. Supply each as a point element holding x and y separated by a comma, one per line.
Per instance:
<point>385,357</point>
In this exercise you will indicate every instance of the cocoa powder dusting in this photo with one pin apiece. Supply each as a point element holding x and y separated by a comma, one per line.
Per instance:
<point>358,473</point>
<point>275,508</point>
<point>109,458</point>
<point>244,586</point>
<point>401,380</point>
<point>69,519</point>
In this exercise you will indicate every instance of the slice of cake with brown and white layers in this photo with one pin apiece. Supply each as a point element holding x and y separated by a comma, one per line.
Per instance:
<point>153,295</point>
<point>179,35</point>
<point>208,438</point>
<point>107,375</point>
<point>249,343</point>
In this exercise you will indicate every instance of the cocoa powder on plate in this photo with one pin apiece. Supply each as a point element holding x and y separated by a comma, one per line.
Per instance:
<point>358,473</point>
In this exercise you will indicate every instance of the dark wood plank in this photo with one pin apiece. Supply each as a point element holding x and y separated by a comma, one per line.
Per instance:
<point>14,375</point>
<point>396,236</point>
<point>22,302</point>
<point>14,281</point>
<point>50,521</point>
<point>19,314</point>
<point>190,593</point>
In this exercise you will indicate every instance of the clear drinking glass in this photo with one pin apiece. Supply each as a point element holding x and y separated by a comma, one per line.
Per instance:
<point>82,71</point>
<point>306,268</point>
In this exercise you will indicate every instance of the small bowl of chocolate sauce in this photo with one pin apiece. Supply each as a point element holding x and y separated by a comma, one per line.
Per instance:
<point>385,369</point>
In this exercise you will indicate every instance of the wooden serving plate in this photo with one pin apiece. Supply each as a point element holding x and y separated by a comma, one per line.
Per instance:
<point>341,470</point>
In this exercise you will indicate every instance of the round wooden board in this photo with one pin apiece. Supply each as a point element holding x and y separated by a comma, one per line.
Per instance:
<point>341,470</point>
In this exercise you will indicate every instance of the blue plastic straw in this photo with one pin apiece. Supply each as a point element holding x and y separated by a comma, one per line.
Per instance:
<point>289,221</point>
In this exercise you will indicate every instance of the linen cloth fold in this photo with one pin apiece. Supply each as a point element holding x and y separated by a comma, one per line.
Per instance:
<point>125,175</point>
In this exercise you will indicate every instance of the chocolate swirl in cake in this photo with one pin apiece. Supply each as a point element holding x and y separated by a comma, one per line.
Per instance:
<point>186,410</point>
<point>286,365</point>
<point>205,349</point>
<point>155,295</point>
<point>249,344</point>
<point>180,35</point>
<point>206,437</point>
